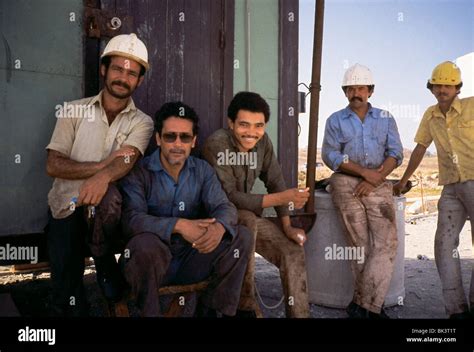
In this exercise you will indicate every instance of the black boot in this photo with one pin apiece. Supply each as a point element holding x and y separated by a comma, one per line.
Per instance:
<point>109,278</point>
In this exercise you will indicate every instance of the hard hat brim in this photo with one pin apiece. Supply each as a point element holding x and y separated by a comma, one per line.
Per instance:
<point>455,83</point>
<point>128,56</point>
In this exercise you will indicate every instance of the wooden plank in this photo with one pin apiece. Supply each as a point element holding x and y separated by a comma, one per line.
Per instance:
<point>175,54</point>
<point>170,290</point>
<point>288,91</point>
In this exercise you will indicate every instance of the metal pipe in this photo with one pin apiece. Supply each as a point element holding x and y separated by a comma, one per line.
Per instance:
<point>315,89</point>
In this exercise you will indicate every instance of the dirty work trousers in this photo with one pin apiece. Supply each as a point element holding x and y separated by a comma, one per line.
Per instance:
<point>455,204</point>
<point>371,224</point>
<point>153,263</point>
<point>68,240</point>
<point>271,243</point>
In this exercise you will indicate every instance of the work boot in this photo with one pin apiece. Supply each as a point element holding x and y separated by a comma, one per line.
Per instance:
<point>381,315</point>
<point>355,311</point>
<point>109,278</point>
<point>463,315</point>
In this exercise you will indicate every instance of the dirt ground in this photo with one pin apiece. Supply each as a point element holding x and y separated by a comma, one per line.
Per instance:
<point>423,299</point>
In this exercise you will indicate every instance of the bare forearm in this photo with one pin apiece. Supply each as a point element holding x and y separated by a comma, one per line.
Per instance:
<point>415,160</point>
<point>63,167</point>
<point>118,168</point>
<point>388,166</point>
<point>285,221</point>
<point>352,168</point>
<point>271,200</point>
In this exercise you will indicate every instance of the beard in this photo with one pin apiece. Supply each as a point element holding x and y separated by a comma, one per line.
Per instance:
<point>176,158</point>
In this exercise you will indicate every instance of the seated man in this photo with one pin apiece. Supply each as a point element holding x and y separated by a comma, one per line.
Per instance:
<point>96,141</point>
<point>362,145</point>
<point>240,155</point>
<point>182,226</point>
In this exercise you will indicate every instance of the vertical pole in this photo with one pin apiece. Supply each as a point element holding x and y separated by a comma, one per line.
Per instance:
<point>315,89</point>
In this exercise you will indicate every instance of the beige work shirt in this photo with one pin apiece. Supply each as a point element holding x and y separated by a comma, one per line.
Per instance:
<point>83,134</point>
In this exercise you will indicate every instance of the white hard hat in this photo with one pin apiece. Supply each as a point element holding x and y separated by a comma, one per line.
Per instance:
<point>358,75</point>
<point>129,46</point>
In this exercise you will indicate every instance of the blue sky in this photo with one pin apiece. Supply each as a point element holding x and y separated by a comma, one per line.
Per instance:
<point>400,41</point>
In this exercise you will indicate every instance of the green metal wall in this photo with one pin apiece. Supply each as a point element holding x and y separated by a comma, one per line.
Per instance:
<point>262,48</point>
<point>41,65</point>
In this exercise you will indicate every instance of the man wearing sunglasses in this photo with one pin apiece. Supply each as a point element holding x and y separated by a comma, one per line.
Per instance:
<point>240,155</point>
<point>182,226</point>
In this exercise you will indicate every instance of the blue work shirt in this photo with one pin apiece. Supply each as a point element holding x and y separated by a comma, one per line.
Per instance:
<point>153,201</point>
<point>366,143</point>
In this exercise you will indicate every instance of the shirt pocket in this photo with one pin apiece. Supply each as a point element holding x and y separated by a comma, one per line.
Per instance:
<point>345,136</point>
<point>466,129</point>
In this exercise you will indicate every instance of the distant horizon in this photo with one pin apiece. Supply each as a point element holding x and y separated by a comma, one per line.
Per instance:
<point>400,41</point>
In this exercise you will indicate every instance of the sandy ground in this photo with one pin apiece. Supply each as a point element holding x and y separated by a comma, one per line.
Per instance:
<point>422,285</point>
<point>423,299</point>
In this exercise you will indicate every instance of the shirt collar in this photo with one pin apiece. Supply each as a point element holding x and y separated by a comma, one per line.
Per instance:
<point>347,112</point>
<point>154,163</point>
<point>455,105</point>
<point>98,99</point>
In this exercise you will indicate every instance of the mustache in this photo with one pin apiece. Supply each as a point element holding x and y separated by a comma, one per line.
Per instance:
<point>356,98</point>
<point>121,84</point>
<point>177,151</point>
<point>254,137</point>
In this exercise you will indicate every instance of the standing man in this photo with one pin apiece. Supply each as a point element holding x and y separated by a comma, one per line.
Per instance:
<point>450,124</point>
<point>362,145</point>
<point>183,228</point>
<point>96,141</point>
<point>241,154</point>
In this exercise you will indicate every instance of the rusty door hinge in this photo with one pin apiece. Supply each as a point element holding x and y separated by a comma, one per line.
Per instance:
<point>99,23</point>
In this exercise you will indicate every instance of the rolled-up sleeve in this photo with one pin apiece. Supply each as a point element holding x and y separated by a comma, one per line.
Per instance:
<point>331,151</point>
<point>216,203</point>
<point>140,134</point>
<point>423,135</point>
<point>394,144</point>
<point>135,217</point>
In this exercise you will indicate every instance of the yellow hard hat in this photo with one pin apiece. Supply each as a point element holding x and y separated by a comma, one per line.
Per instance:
<point>446,73</point>
<point>129,46</point>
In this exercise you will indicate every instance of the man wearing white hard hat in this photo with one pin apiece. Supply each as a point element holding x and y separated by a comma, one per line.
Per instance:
<point>96,141</point>
<point>362,145</point>
<point>450,124</point>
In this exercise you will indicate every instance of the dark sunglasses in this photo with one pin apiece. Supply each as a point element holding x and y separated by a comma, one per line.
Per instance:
<point>171,137</point>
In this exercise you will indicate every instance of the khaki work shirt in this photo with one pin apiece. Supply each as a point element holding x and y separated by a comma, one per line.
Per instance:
<point>453,136</point>
<point>83,134</point>
<point>221,151</point>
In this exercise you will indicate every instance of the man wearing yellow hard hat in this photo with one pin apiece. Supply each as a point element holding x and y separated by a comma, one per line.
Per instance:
<point>450,124</point>
<point>96,141</point>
